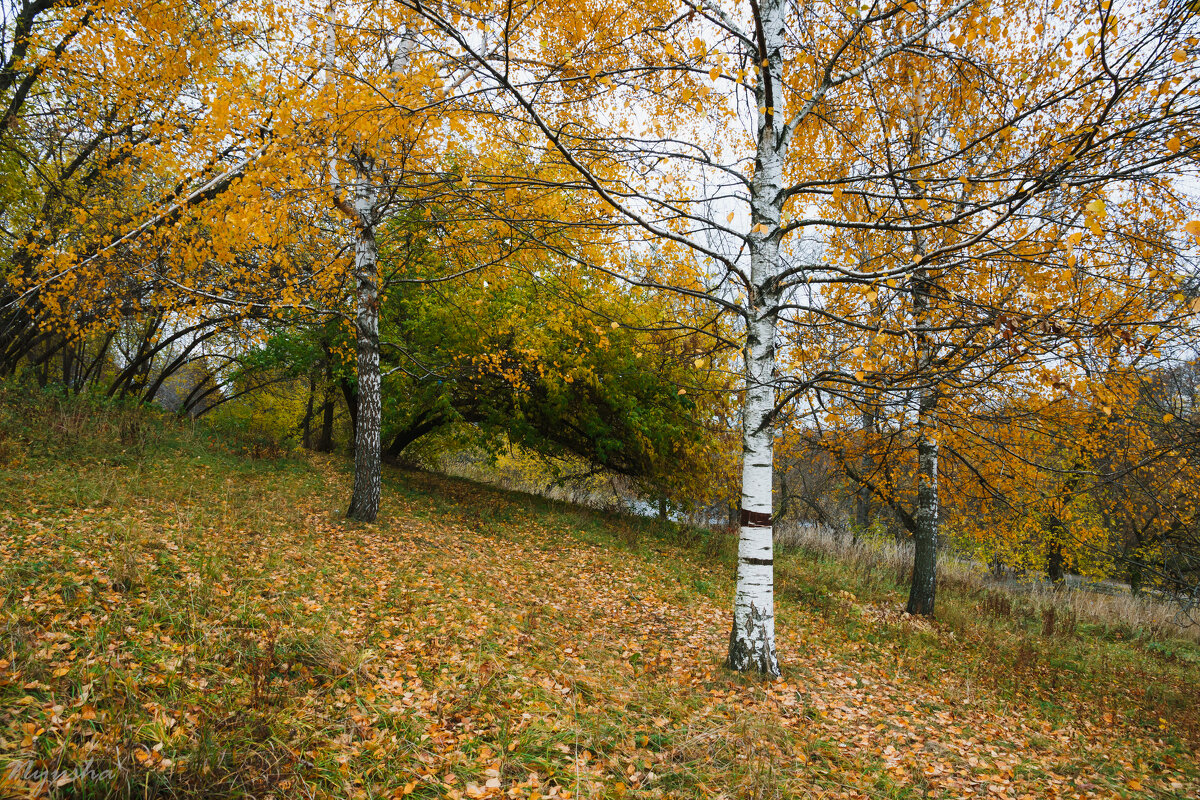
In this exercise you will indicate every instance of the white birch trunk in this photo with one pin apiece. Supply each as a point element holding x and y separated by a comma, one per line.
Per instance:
<point>364,214</point>
<point>364,503</point>
<point>752,639</point>
<point>923,589</point>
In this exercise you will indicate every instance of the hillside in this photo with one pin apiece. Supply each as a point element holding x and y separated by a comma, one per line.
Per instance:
<point>187,615</point>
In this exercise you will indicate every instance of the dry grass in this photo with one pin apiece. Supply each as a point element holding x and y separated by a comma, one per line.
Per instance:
<point>477,643</point>
<point>1151,617</point>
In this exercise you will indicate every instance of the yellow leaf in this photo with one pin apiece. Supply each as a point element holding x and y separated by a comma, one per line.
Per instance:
<point>1168,417</point>
<point>858,351</point>
<point>1193,227</point>
<point>698,363</point>
<point>1180,55</point>
<point>858,376</point>
<point>1097,208</point>
<point>1173,144</point>
<point>730,217</point>
<point>837,194</point>
<point>714,73</point>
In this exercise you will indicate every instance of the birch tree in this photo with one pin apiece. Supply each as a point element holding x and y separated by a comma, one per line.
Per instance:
<point>365,213</point>
<point>692,76</point>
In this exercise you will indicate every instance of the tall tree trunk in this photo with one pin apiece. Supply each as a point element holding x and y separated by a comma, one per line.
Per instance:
<point>69,366</point>
<point>752,638</point>
<point>350,395</point>
<point>1056,562</point>
<point>925,539</point>
<point>309,411</point>
<point>364,503</point>
<point>862,498</point>
<point>325,440</point>
<point>923,589</point>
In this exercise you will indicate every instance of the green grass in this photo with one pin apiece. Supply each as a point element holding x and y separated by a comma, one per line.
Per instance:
<point>202,621</point>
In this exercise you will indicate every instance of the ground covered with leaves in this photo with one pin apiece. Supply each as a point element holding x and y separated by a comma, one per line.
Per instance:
<point>186,615</point>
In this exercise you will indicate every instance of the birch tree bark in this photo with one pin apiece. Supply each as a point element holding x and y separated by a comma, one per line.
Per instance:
<point>925,539</point>
<point>368,478</point>
<point>752,639</point>
<point>364,213</point>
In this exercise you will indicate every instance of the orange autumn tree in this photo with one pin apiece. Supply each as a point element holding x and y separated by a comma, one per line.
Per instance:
<point>992,296</point>
<point>138,129</point>
<point>100,112</point>
<point>1079,327</point>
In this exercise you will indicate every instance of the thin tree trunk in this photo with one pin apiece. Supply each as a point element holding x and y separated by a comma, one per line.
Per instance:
<point>309,411</point>
<point>350,395</point>
<point>925,540</point>
<point>364,503</point>
<point>97,364</point>
<point>325,441</point>
<point>752,640</point>
<point>752,637</point>
<point>862,498</point>
<point>1056,562</point>
<point>69,366</point>
<point>923,589</point>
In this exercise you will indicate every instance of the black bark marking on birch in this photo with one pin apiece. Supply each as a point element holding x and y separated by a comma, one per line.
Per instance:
<point>759,562</point>
<point>755,519</point>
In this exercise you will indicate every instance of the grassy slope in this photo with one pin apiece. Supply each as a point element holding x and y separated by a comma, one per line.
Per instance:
<point>205,623</point>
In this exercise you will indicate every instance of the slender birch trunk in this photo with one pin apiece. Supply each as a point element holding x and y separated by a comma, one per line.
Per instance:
<point>862,511</point>
<point>752,639</point>
<point>925,539</point>
<point>862,498</point>
<point>364,213</point>
<point>364,502</point>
